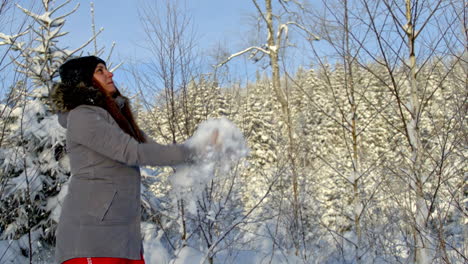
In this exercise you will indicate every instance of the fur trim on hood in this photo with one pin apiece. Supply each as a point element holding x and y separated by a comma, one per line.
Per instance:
<point>65,97</point>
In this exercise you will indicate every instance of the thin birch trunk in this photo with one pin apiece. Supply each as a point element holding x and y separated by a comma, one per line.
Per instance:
<point>421,254</point>
<point>273,48</point>
<point>349,82</point>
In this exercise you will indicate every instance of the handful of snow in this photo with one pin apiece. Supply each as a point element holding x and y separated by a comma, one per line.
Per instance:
<point>189,180</point>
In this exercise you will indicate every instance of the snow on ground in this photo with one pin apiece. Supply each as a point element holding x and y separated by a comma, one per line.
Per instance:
<point>188,255</point>
<point>155,252</point>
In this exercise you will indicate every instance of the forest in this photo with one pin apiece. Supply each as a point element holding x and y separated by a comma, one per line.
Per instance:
<point>356,154</point>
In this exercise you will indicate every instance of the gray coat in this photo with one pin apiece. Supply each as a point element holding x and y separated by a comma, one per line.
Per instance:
<point>101,213</point>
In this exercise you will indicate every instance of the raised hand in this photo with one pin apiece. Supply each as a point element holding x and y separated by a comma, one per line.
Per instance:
<point>214,140</point>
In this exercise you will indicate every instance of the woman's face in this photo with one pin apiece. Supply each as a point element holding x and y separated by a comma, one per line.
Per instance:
<point>104,78</point>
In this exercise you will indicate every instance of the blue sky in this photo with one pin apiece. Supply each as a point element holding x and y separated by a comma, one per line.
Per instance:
<point>215,21</point>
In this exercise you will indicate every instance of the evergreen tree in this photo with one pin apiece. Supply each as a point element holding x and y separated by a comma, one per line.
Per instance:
<point>259,125</point>
<point>33,163</point>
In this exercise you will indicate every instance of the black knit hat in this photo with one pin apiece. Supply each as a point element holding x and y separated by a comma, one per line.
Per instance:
<point>77,70</point>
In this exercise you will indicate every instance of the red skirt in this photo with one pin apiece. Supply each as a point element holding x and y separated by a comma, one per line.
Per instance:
<point>104,261</point>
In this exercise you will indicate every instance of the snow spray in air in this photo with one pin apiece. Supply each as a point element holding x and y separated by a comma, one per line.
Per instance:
<point>189,180</point>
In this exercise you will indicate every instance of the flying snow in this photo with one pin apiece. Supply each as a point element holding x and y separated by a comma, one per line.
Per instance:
<point>211,159</point>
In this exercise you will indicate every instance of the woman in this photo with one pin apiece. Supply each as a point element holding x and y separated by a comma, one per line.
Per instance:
<point>100,218</point>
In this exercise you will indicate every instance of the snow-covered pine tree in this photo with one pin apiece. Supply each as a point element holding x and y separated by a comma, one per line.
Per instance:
<point>309,131</point>
<point>328,148</point>
<point>451,208</point>
<point>33,163</point>
<point>203,93</point>
<point>259,125</point>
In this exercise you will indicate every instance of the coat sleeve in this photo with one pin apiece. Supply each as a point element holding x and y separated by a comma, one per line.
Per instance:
<point>88,126</point>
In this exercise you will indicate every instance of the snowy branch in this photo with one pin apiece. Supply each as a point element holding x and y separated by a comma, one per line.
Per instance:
<point>314,37</point>
<point>116,67</point>
<point>62,5</point>
<point>86,43</point>
<point>255,48</point>
<point>301,6</point>
<point>45,18</point>
<point>234,225</point>
<point>11,39</point>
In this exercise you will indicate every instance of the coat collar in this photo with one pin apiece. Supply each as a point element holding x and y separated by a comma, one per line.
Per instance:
<point>65,97</point>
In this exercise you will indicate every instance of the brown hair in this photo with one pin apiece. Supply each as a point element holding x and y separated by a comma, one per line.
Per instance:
<point>123,116</point>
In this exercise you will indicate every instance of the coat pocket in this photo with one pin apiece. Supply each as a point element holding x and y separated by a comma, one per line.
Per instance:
<point>102,202</point>
<point>101,198</point>
<point>123,208</point>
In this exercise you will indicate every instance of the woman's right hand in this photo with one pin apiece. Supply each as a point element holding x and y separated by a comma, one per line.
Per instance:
<point>211,145</point>
<point>214,140</point>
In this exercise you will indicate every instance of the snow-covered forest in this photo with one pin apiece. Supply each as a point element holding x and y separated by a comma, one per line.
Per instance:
<point>357,155</point>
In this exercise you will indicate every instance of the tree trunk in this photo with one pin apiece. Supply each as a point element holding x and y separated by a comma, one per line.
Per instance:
<point>421,254</point>
<point>273,48</point>
<point>349,82</point>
